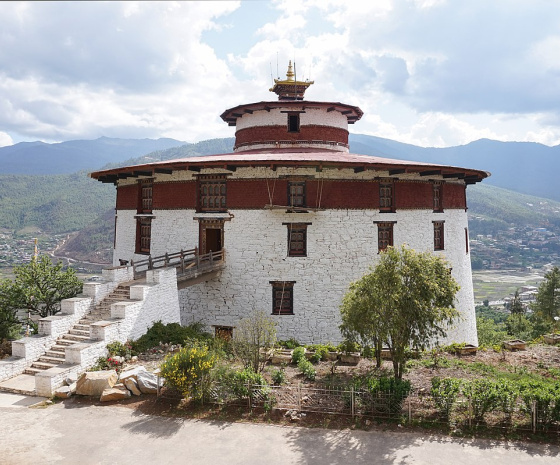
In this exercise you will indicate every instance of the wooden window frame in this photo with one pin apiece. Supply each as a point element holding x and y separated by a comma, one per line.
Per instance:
<point>384,235</point>
<point>297,247</point>
<point>437,197</point>
<point>291,197</point>
<point>146,192</point>
<point>212,190</point>
<point>293,122</point>
<point>439,235</point>
<point>282,297</point>
<point>144,235</point>
<point>386,196</point>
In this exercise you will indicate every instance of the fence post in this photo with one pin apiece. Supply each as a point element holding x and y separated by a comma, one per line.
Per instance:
<point>299,397</point>
<point>166,259</point>
<point>150,263</point>
<point>409,411</point>
<point>534,416</point>
<point>352,399</point>
<point>211,258</point>
<point>182,261</point>
<point>197,256</point>
<point>249,396</point>
<point>469,412</point>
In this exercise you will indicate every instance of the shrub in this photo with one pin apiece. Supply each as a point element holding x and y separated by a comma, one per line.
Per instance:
<point>245,383</point>
<point>445,392</point>
<point>253,337</point>
<point>484,395</point>
<point>347,346</point>
<point>172,333</point>
<point>289,344</point>
<point>187,370</point>
<point>298,354</point>
<point>107,363</point>
<point>119,349</point>
<point>306,368</point>
<point>546,398</point>
<point>278,377</point>
<point>387,393</point>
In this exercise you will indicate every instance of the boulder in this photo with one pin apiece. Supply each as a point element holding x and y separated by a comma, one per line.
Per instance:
<point>63,392</point>
<point>132,386</point>
<point>132,373</point>
<point>93,383</point>
<point>71,379</point>
<point>117,392</point>
<point>147,382</point>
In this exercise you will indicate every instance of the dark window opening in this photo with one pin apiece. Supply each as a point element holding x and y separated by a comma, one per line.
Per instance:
<point>144,235</point>
<point>283,297</point>
<point>384,236</point>
<point>466,240</point>
<point>293,123</point>
<point>212,193</point>
<point>297,240</point>
<point>296,194</point>
<point>224,333</point>
<point>386,203</point>
<point>438,235</point>
<point>438,205</point>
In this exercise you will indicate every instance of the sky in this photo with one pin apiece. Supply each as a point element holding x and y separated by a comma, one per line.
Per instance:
<point>434,73</point>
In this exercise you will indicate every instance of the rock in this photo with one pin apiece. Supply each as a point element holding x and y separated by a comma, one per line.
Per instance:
<point>117,392</point>
<point>368,422</point>
<point>118,358</point>
<point>132,386</point>
<point>73,387</point>
<point>147,382</point>
<point>134,358</point>
<point>133,373</point>
<point>71,379</point>
<point>63,392</point>
<point>93,383</point>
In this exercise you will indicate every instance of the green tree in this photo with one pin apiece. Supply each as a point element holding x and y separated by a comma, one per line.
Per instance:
<point>40,285</point>
<point>516,307</point>
<point>407,300</point>
<point>9,322</point>
<point>547,302</point>
<point>253,338</point>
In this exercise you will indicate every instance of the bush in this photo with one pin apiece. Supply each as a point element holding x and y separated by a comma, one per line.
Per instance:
<point>172,333</point>
<point>253,337</point>
<point>306,368</point>
<point>245,383</point>
<point>298,354</point>
<point>278,377</point>
<point>187,370</point>
<point>445,392</point>
<point>120,350</point>
<point>388,393</point>
<point>484,395</point>
<point>546,397</point>
<point>288,344</point>
<point>107,363</point>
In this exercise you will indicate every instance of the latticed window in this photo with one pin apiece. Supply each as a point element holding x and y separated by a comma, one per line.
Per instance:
<point>297,239</point>
<point>386,203</point>
<point>144,235</point>
<point>282,297</point>
<point>146,189</point>
<point>438,206</point>
<point>384,236</point>
<point>438,235</point>
<point>212,193</point>
<point>296,194</point>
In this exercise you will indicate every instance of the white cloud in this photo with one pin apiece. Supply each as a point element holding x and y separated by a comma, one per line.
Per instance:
<point>5,139</point>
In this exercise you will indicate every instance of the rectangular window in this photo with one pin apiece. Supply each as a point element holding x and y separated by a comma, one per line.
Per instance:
<point>386,203</point>
<point>282,297</point>
<point>438,206</point>
<point>296,194</point>
<point>144,235</point>
<point>293,122</point>
<point>438,235</point>
<point>212,192</point>
<point>297,239</point>
<point>466,240</point>
<point>146,190</point>
<point>384,236</point>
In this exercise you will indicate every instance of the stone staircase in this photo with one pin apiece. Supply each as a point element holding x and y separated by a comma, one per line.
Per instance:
<point>80,332</point>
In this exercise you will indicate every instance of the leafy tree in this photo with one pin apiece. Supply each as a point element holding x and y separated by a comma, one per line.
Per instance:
<point>252,338</point>
<point>489,332</point>
<point>516,307</point>
<point>8,312</point>
<point>547,302</point>
<point>519,326</point>
<point>40,285</point>
<point>405,301</point>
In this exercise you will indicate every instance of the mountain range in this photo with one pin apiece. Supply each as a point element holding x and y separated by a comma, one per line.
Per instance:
<point>524,167</point>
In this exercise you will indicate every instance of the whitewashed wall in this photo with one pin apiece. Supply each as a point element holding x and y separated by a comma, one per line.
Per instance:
<point>275,117</point>
<point>341,245</point>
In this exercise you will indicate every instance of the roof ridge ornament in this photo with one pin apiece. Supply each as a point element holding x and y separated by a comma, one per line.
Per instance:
<point>290,88</point>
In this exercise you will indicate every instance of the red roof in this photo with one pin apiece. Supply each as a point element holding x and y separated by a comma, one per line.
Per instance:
<point>289,157</point>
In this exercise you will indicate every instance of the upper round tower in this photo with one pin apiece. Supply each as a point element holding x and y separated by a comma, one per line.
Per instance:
<point>291,121</point>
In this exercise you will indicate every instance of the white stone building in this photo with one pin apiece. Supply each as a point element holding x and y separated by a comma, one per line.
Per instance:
<point>300,217</point>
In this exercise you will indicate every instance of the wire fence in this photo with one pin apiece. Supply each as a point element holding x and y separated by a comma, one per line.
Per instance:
<point>415,408</point>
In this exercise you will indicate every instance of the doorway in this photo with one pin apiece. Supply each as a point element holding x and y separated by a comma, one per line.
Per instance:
<point>211,237</point>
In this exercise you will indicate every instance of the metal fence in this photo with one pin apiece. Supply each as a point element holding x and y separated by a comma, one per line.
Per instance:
<point>417,407</point>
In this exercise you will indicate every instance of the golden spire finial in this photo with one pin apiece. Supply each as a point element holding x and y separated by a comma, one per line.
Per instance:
<point>290,74</point>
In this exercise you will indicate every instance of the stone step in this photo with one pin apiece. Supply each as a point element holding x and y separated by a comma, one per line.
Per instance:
<point>42,365</point>
<point>50,359</point>
<point>64,342</point>
<point>79,332</point>
<point>58,348</point>
<point>81,327</point>
<point>73,337</point>
<point>32,371</point>
<point>60,354</point>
